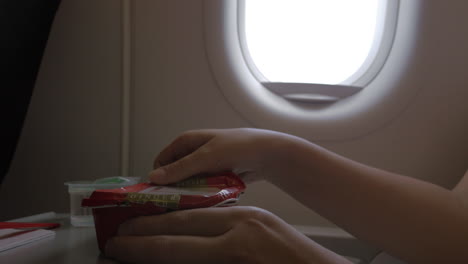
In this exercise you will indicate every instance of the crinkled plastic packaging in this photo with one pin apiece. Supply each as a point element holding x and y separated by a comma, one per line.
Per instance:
<point>113,207</point>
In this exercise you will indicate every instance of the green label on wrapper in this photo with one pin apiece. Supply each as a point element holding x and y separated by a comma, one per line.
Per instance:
<point>164,200</point>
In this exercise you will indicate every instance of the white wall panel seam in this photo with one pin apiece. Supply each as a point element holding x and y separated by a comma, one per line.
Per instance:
<point>126,86</point>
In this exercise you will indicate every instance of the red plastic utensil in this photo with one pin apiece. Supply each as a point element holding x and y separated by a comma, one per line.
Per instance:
<point>16,225</point>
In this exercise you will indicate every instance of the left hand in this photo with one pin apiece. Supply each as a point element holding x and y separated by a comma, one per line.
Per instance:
<point>215,235</point>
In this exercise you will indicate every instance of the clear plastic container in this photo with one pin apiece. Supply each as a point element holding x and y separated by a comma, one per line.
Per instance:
<point>78,190</point>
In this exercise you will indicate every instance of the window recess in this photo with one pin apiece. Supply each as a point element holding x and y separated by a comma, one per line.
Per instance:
<point>315,51</point>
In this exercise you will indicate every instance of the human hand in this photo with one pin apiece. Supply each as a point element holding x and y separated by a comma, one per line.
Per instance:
<point>251,153</point>
<point>215,235</point>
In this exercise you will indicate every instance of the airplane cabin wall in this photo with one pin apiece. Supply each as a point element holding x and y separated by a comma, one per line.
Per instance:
<point>73,126</point>
<point>175,91</point>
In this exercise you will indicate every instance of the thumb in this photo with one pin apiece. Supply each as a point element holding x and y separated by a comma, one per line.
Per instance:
<point>195,163</point>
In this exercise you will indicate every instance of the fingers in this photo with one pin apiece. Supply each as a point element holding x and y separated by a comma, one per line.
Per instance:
<point>203,160</point>
<point>183,145</point>
<point>185,157</point>
<point>190,236</point>
<point>164,249</point>
<point>195,163</point>
<point>198,222</point>
<point>213,151</point>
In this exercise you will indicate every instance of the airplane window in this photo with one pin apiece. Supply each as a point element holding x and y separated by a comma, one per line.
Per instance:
<point>332,42</point>
<point>311,41</point>
<point>321,64</point>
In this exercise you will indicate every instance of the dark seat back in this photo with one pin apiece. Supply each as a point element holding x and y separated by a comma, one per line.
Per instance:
<point>24,30</point>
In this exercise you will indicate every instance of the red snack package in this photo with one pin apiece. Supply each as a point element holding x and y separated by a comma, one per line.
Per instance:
<point>113,207</point>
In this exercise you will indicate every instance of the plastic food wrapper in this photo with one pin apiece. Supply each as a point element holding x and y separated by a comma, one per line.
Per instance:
<point>113,207</point>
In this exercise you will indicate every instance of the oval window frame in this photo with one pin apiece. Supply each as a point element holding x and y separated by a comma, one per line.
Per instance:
<point>355,113</point>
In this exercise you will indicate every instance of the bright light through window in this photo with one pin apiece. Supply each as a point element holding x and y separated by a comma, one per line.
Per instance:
<point>310,41</point>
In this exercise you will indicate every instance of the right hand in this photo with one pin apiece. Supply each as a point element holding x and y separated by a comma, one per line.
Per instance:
<point>251,153</point>
<point>215,235</point>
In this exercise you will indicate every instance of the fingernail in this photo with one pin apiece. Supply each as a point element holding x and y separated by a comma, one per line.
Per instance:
<point>157,174</point>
